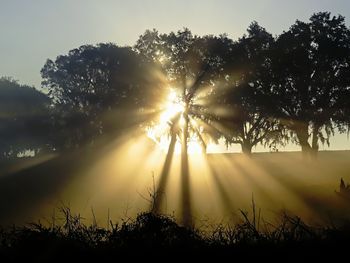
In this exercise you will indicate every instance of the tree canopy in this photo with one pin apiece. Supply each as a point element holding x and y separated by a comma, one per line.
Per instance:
<point>249,78</point>
<point>193,66</point>
<point>311,78</point>
<point>24,118</point>
<point>259,89</point>
<point>94,87</point>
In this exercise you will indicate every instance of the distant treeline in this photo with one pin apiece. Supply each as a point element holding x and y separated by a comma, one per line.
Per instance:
<point>259,89</point>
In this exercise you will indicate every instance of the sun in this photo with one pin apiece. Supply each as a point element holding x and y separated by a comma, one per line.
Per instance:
<point>160,132</point>
<point>173,106</point>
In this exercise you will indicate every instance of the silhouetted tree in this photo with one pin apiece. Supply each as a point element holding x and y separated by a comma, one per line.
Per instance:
<point>311,71</point>
<point>24,119</point>
<point>249,72</point>
<point>193,67</point>
<point>96,88</point>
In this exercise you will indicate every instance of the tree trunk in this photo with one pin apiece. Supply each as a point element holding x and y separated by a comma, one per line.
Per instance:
<point>303,136</point>
<point>314,145</point>
<point>246,148</point>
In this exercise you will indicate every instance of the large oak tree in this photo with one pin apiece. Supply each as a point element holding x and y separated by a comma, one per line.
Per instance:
<point>249,77</point>
<point>311,68</point>
<point>99,89</point>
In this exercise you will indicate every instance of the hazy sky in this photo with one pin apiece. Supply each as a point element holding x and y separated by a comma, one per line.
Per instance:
<point>35,30</point>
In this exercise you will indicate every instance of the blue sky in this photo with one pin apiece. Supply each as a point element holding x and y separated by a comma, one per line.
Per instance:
<point>34,30</point>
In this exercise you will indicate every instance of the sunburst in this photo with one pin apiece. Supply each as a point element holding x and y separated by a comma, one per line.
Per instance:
<point>173,118</point>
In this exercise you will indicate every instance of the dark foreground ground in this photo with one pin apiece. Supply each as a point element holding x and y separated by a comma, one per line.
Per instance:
<point>152,237</point>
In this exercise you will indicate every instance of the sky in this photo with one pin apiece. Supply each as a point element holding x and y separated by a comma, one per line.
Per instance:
<point>34,30</point>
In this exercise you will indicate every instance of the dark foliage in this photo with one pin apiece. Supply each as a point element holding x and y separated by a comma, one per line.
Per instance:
<point>259,89</point>
<point>248,95</point>
<point>158,237</point>
<point>24,119</point>
<point>97,90</point>
<point>311,73</point>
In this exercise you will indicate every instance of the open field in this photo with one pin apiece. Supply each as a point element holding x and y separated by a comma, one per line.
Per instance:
<point>117,184</point>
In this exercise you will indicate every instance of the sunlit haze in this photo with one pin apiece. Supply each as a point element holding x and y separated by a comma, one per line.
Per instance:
<point>181,124</point>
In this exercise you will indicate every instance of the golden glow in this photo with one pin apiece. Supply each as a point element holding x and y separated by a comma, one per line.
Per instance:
<point>160,133</point>
<point>156,133</point>
<point>219,184</point>
<point>172,107</point>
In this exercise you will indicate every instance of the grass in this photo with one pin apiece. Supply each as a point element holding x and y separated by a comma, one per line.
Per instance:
<point>155,237</point>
